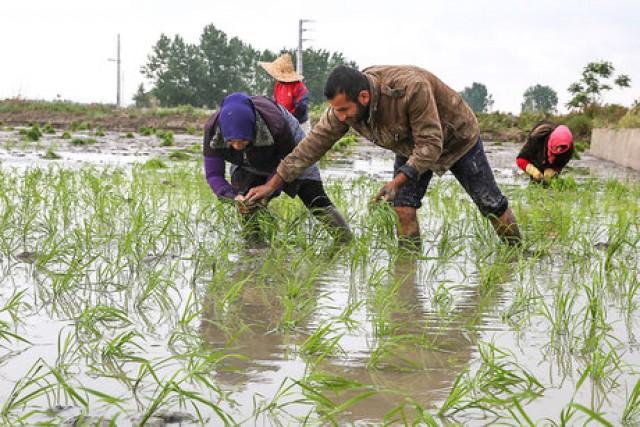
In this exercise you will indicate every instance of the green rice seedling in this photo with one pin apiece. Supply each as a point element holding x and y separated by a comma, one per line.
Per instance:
<point>322,343</point>
<point>146,131</point>
<point>65,135</point>
<point>604,366</point>
<point>129,135</point>
<point>48,128</point>
<point>34,133</point>
<point>191,130</point>
<point>154,164</point>
<point>560,314</point>
<point>166,138</point>
<point>180,155</point>
<point>419,415</point>
<point>83,141</point>
<point>99,132</point>
<point>50,154</point>
<point>497,384</point>
<point>32,386</point>
<point>631,412</point>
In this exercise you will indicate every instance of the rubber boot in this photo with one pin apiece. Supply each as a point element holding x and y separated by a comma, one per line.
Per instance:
<point>507,228</point>
<point>332,218</point>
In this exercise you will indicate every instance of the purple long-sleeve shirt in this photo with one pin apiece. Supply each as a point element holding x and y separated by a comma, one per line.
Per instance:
<point>214,172</point>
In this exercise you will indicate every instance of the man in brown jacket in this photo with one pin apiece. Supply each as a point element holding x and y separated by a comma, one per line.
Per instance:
<point>427,124</point>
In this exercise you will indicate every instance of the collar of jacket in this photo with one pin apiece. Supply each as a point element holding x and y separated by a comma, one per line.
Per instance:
<point>374,93</point>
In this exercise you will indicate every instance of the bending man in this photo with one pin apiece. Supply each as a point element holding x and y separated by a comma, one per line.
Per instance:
<point>426,123</point>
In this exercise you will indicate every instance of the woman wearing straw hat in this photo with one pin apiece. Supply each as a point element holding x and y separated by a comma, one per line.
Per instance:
<point>289,91</point>
<point>254,134</point>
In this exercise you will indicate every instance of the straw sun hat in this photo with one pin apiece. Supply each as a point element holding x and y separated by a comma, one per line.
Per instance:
<point>282,69</point>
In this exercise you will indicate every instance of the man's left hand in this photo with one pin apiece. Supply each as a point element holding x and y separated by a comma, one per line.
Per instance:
<point>389,191</point>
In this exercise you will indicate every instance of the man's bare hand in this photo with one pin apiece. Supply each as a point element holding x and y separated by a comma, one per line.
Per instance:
<point>259,193</point>
<point>389,191</point>
<point>246,207</point>
<point>262,192</point>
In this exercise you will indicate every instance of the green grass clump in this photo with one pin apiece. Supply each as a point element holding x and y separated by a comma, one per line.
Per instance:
<point>99,132</point>
<point>166,138</point>
<point>129,135</point>
<point>50,154</point>
<point>153,164</point>
<point>48,128</point>
<point>180,155</point>
<point>66,135</point>
<point>78,126</point>
<point>34,133</point>
<point>146,131</point>
<point>83,141</point>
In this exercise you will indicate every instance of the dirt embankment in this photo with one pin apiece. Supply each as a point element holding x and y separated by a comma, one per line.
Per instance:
<point>68,115</point>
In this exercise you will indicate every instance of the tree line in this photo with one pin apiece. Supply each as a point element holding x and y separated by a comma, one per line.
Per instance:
<point>596,79</point>
<point>203,73</point>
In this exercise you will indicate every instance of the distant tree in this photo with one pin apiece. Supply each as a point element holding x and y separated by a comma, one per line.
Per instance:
<point>142,98</point>
<point>595,80</point>
<point>539,99</point>
<point>477,97</point>
<point>204,73</point>
<point>177,70</point>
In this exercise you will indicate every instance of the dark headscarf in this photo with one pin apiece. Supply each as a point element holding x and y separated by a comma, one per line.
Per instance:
<point>237,118</point>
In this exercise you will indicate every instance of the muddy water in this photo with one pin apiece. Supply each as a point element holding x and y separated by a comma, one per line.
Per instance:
<point>271,358</point>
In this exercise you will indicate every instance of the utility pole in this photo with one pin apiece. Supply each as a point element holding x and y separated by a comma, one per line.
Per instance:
<point>301,30</point>
<point>118,85</point>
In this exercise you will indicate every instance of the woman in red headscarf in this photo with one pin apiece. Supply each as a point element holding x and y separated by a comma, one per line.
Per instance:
<point>548,149</point>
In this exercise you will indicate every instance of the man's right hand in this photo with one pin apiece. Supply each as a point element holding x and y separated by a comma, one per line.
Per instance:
<point>534,172</point>
<point>261,192</point>
<point>245,207</point>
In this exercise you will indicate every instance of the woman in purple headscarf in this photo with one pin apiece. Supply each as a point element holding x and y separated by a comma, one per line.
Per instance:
<point>253,133</point>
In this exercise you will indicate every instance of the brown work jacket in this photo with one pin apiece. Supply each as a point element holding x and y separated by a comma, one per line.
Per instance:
<point>411,112</point>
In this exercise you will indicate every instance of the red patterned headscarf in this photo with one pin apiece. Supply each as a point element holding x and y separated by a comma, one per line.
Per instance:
<point>560,141</point>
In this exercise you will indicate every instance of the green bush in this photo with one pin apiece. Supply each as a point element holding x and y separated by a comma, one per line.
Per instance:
<point>631,119</point>
<point>580,125</point>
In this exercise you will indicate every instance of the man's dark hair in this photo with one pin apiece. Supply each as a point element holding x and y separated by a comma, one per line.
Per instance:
<point>347,80</point>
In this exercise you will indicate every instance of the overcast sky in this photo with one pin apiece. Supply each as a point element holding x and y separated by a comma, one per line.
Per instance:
<point>51,48</point>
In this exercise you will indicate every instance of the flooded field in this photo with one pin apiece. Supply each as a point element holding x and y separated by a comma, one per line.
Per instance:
<point>128,296</point>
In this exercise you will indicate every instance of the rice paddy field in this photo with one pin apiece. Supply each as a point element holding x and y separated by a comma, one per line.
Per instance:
<point>128,296</point>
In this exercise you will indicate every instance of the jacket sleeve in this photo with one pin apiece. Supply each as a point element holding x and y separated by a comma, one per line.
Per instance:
<point>321,138</point>
<point>522,163</point>
<point>426,131</point>
<point>214,172</point>
<point>301,102</point>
